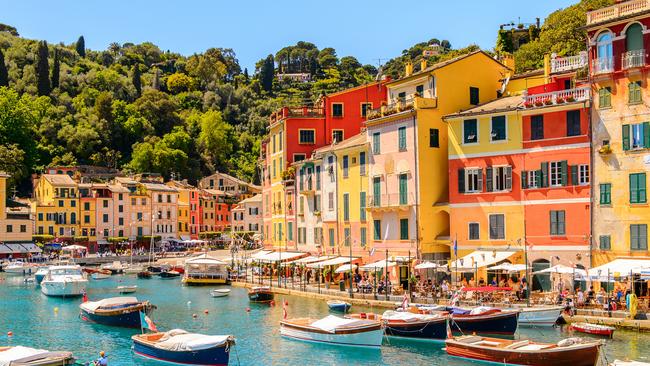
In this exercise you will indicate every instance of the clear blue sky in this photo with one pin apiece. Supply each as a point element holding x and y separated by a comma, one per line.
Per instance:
<point>364,29</point>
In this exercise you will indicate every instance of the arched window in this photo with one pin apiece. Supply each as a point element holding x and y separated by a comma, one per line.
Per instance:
<point>634,37</point>
<point>604,53</point>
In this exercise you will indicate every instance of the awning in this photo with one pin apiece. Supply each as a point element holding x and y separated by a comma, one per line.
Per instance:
<point>379,265</point>
<point>10,248</point>
<point>71,248</point>
<point>312,259</point>
<point>332,262</point>
<point>508,267</point>
<point>346,268</point>
<point>102,242</point>
<point>478,259</point>
<point>620,268</point>
<point>185,237</point>
<point>281,256</point>
<point>430,265</point>
<point>205,259</point>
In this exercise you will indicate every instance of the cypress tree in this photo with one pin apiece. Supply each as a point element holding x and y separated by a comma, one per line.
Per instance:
<point>43,70</point>
<point>267,73</point>
<point>81,46</point>
<point>156,79</point>
<point>4,75</point>
<point>246,74</point>
<point>135,79</point>
<point>56,68</point>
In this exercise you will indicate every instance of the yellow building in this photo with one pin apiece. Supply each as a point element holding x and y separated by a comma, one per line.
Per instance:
<point>88,208</point>
<point>56,206</point>
<point>184,191</point>
<point>15,223</point>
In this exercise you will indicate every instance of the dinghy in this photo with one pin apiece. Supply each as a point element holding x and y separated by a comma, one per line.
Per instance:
<point>116,311</point>
<point>595,329</point>
<point>260,294</point>
<point>220,292</point>
<point>334,330</point>
<point>101,275</point>
<point>128,289</point>
<point>181,347</point>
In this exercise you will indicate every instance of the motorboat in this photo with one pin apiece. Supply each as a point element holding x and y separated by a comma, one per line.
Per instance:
<point>334,330</point>
<point>116,311</point>
<point>413,325</point>
<point>20,268</point>
<point>220,292</point>
<point>116,267</point>
<point>26,356</point>
<point>205,270</point>
<point>594,329</point>
<point>127,289</point>
<point>484,320</point>
<point>67,280</point>
<point>144,274</point>
<point>133,269</point>
<point>40,274</point>
<point>567,352</point>
<point>540,317</point>
<point>339,305</point>
<point>169,274</point>
<point>101,275</point>
<point>260,294</point>
<point>181,347</point>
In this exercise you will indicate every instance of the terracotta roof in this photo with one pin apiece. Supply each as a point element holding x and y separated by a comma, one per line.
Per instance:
<point>255,198</point>
<point>499,105</point>
<point>118,188</point>
<point>159,187</point>
<point>60,179</point>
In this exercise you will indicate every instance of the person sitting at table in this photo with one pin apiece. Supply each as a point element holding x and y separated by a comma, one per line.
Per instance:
<point>590,295</point>
<point>601,297</point>
<point>381,288</point>
<point>493,283</point>
<point>444,288</point>
<point>502,282</point>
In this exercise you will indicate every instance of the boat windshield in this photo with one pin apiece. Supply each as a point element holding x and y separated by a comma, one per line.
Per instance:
<point>66,272</point>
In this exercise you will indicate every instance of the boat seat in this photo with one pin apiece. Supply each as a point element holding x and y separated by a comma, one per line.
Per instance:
<point>534,347</point>
<point>487,343</point>
<point>470,339</point>
<point>517,344</point>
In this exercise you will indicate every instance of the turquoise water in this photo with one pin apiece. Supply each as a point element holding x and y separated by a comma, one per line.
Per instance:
<point>31,316</point>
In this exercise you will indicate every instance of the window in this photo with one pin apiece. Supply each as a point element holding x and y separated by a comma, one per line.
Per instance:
<point>498,132</point>
<point>605,97</point>
<point>473,95</point>
<point>105,218</point>
<point>105,203</point>
<point>120,221</point>
<point>401,96</point>
<point>470,131</point>
<point>60,203</point>
<point>605,193</point>
<point>636,136</point>
<point>499,179</point>
<point>290,231</point>
<point>497,227</point>
<point>557,173</point>
<point>10,229</point>
<point>346,206</point>
<point>377,229</point>
<point>347,234</point>
<point>120,208</point>
<point>401,133</point>
<point>363,236</point>
<point>346,170</point>
<point>298,157</point>
<point>376,191</point>
<point>473,231</point>
<point>639,237</point>
<point>40,216</point>
<point>337,110</point>
<point>280,146</point>
<point>317,202</point>
<point>403,189</point>
<point>634,37</point>
<point>86,219</point>
<point>365,107</point>
<point>558,226</point>
<point>573,123</point>
<point>376,143</point>
<point>583,174</point>
<point>434,137</point>
<point>330,201</point>
<point>605,242</point>
<point>532,179</point>
<point>419,89</point>
<point>634,92</point>
<point>73,203</point>
<point>537,127</point>
<point>307,136</point>
<point>331,235</point>
<point>337,135</point>
<point>604,52</point>
<point>473,180</point>
<point>403,229</point>
<point>637,188</point>
<point>362,206</point>
<point>362,163</point>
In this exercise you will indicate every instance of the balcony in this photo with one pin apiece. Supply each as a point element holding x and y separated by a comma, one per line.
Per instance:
<point>400,105</point>
<point>557,97</point>
<point>602,65</point>
<point>391,202</point>
<point>297,112</point>
<point>632,59</point>
<point>616,11</point>
<point>307,186</point>
<point>569,63</point>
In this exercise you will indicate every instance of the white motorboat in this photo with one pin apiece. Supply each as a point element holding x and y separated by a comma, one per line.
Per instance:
<point>66,280</point>
<point>20,268</point>
<point>128,289</point>
<point>220,292</point>
<point>100,276</point>
<point>540,317</point>
<point>40,274</point>
<point>334,330</point>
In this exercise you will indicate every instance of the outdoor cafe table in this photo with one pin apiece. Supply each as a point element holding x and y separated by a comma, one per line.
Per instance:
<point>487,289</point>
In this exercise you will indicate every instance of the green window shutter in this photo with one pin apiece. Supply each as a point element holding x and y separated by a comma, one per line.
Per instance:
<point>553,222</point>
<point>524,179</point>
<point>641,188</point>
<point>488,179</point>
<point>538,178</point>
<point>362,203</point>
<point>633,189</point>
<point>646,135</point>
<point>626,137</point>
<point>461,180</point>
<point>601,97</point>
<point>565,173</point>
<point>404,229</point>
<point>403,190</point>
<point>544,175</point>
<point>402,138</point>
<point>346,207</point>
<point>574,175</point>
<point>377,229</point>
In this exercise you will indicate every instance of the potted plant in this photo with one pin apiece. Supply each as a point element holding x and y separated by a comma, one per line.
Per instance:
<point>570,99</point>
<point>559,100</point>
<point>539,103</point>
<point>548,101</point>
<point>528,104</point>
<point>605,149</point>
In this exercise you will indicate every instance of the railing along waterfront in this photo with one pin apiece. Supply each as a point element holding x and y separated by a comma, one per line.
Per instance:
<point>602,65</point>
<point>557,97</point>
<point>617,11</point>
<point>632,59</point>
<point>568,63</point>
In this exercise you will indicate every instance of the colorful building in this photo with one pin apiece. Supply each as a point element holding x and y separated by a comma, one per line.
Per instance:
<point>56,206</point>
<point>618,39</point>
<point>247,215</point>
<point>15,223</point>
<point>230,185</point>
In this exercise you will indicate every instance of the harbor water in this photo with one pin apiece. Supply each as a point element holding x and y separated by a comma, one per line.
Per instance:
<point>54,323</point>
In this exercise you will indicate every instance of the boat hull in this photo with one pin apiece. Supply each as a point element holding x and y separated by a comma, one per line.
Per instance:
<point>342,308</point>
<point>260,296</point>
<point>216,356</point>
<point>220,293</point>
<point>63,288</point>
<point>587,355</point>
<point>127,320</point>
<point>431,329</point>
<point>19,271</point>
<point>495,323</point>
<point>544,317</point>
<point>604,332</point>
<point>191,281</point>
<point>370,338</point>
<point>39,277</point>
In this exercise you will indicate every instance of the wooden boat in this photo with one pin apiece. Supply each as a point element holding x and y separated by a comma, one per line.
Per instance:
<point>410,325</point>
<point>128,289</point>
<point>101,274</point>
<point>484,321</point>
<point>334,330</point>
<point>179,346</point>
<point>169,274</point>
<point>116,311</point>
<point>541,317</point>
<point>339,305</point>
<point>144,274</point>
<point>179,269</point>
<point>220,292</point>
<point>568,352</point>
<point>26,356</point>
<point>595,329</point>
<point>260,294</point>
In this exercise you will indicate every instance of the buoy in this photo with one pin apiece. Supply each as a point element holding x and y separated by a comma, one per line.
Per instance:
<point>194,315</point>
<point>56,309</point>
<point>272,303</point>
<point>248,310</point>
<point>189,303</point>
<point>205,311</point>
<point>10,334</point>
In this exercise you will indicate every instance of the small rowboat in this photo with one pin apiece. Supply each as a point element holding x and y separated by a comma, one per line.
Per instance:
<point>540,317</point>
<point>100,275</point>
<point>339,305</point>
<point>334,330</point>
<point>169,274</point>
<point>595,329</point>
<point>127,289</point>
<point>181,347</point>
<point>567,352</point>
<point>116,311</point>
<point>260,294</point>
<point>220,292</point>
<point>25,356</point>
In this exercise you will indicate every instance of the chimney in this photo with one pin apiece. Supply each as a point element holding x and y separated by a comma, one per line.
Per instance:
<point>423,64</point>
<point>408,69</point>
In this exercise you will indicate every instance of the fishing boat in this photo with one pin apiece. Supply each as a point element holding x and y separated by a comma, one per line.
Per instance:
<point>410,325</point>
<point>540,317</point>
<point>260,294</point>
<point>127,289</point>
<point>339,305</point>
<point>205,270</point>
<point>595,329</point>
<point>567,352</point>
<point>67,280</point>
<point>40,274</point>
<point>144,274</point>
<point>116,311</point>
<point>334,330</point>
<point>26,356</point>
<point>484,320</point>
<point>220,292</point>
<point>179,346</point>
<point>169,274</point>
<point>20,268</point>
<point>101,275</point>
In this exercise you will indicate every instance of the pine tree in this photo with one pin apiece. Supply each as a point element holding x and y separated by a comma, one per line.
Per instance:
<point>135,79</point>
<point>4,75</point>
<point>267,73</point>
<point>56,68</point>
<point>81,46</point>
<point>43,70</point>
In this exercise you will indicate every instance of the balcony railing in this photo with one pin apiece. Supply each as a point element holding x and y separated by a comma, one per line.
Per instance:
<point>389,201</point>
<point>297,112</point>
<point>616,11</point>
<point>399,105</point>
<point>557,97</point>
<point>569,63</point>
<point>602,65</point>
<point>632,59</point>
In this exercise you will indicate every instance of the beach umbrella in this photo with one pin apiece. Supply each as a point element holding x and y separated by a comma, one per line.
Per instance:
<point>430,265</point>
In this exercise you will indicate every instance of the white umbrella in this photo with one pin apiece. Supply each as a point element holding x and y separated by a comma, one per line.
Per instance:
<point>71,248</point>
<point>508,267</point>
<point>562,269</point>
<point>430,265</point>
<point>345,268</point>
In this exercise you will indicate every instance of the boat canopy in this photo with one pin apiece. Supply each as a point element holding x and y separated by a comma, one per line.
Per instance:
<point>17,353</point>
<point>204,259</point>
<point>332,262</point>
<point>346,268</point>
<point>330,323</point>
<point>312,259</point>
<point>382,264</point>
<point>479,259</point>
<point>621,267</point>
<point>178,340</point>
<point>109,302</point>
